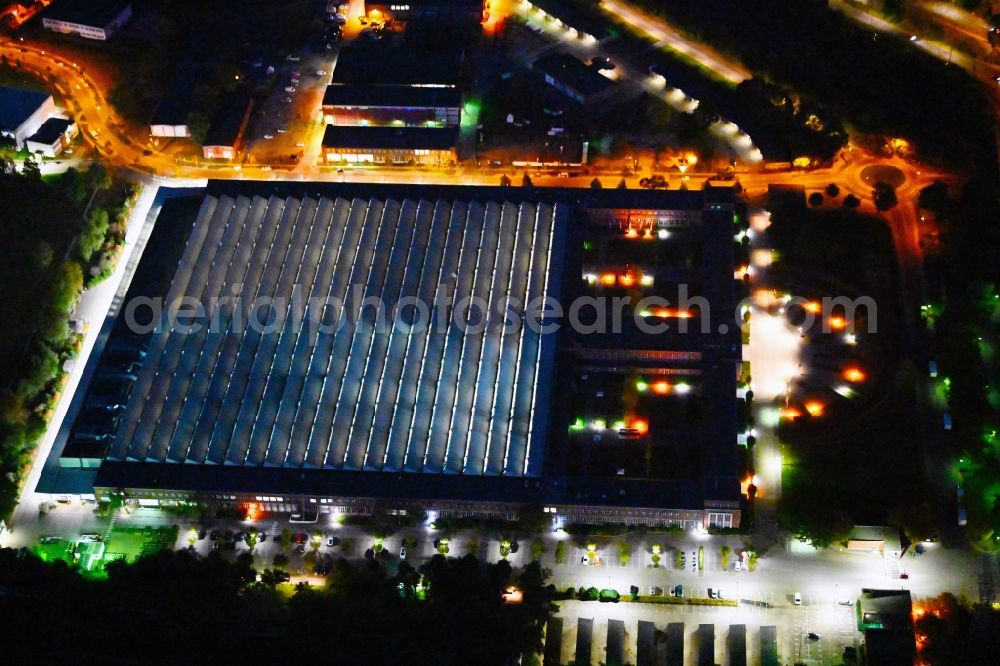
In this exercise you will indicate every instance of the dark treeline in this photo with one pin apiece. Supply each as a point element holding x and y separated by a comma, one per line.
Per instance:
<point>179,608</point>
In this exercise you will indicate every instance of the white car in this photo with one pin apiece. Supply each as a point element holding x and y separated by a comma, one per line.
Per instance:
<point>300,144</point>
<point>268,136</point>
<point>320,72</point>
<point>289,89</point>
<point>797,598</point>
<point>585,561</point>
<point>739,565</point>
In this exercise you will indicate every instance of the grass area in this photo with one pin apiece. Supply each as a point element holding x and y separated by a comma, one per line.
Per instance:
<point>59,549</point>
<point>14,78</point>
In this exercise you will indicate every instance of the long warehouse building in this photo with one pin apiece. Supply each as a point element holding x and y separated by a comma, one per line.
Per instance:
<point>280,381</point>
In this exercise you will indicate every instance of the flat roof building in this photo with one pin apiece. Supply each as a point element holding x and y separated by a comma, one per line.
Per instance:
<point>887,621</point>
<point>430,146</point>
<point>52,137</point>
<point>322,401</point>
<point>22,113</point>
<point>437,10</point>
<point>170,117</point>
<point>580,82</point>
<point>382,65</point>
<point>224,138</point>
<point>90,19</point>
<point>370,104</point>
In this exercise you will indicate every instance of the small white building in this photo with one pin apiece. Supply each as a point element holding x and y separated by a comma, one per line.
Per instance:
<point>53,137</point>
<point>90,19</point>
<point>22,113</point>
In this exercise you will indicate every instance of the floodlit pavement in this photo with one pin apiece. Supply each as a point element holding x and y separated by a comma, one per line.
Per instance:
<point>824,578</point>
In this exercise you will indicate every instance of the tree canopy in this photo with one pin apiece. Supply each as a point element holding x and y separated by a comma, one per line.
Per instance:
<point>177,607</point>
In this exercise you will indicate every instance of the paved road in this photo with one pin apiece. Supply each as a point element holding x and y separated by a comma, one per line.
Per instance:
<point>666,36</point>
<point>948,21</point>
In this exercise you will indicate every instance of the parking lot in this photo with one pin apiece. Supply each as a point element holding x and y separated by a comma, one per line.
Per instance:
<point>287,126</point>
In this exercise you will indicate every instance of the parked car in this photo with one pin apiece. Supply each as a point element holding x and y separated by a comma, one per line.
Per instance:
<point>268,136</point>
<point>214,536</point>
<point>679,591</point>
<point>797,598</point>
<point>402,553</point>
<point>711,593</point>
<point>201,534</point>
<point>813,636</point>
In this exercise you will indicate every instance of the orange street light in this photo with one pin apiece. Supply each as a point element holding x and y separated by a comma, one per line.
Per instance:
<point>854,375</point>
<point>661,388</point>
<point>815,407</point>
